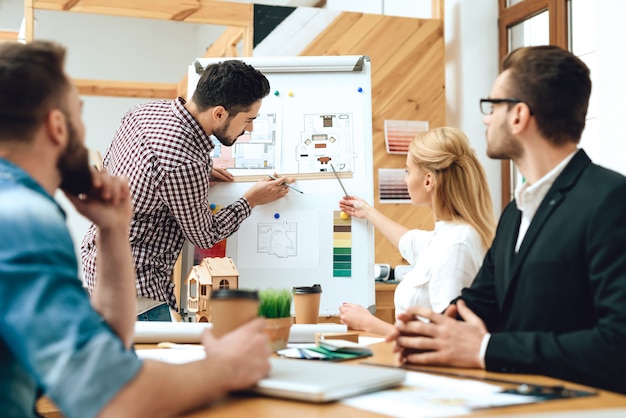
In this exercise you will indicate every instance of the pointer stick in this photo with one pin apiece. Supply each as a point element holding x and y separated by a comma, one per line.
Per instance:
<point>339,180</point>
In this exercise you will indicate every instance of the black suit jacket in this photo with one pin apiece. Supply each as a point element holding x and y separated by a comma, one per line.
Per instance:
<point>558,306</point>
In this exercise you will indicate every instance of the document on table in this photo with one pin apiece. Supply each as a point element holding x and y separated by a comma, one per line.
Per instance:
<point>172,355</point>
<point>191,332</point>
<point>425,395</point>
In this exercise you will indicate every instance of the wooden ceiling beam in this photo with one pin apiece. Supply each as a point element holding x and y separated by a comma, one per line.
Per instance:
<point>126,89</point>
<point>222,47</point>
<point>181,16</point>
<point>69,4</point>
<point>8,35</point>
<point>223,13</point>
<point>194,11</point>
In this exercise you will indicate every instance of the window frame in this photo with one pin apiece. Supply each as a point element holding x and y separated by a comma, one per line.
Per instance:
<point>559,35</point>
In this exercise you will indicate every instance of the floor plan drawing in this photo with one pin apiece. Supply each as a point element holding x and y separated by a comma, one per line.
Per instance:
<point>279,239</point>
<point>326,138</point>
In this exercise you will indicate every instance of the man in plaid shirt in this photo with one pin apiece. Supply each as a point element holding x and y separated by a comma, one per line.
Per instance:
<point>163,147</point>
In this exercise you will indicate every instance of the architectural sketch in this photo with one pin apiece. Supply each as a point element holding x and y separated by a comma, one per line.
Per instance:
<point>326,138</point>
<point>278,239</point>
<point>286,243</point>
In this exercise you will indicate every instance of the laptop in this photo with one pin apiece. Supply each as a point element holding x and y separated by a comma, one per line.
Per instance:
<point>320,381</point>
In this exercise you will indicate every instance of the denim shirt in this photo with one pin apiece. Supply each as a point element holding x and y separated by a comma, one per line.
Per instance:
<point>51,340</point>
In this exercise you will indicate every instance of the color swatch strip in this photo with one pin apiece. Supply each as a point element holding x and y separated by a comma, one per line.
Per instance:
<point>342,246</point>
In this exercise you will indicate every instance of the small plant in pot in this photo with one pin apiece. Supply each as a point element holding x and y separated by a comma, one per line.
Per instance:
<point>275,306</point>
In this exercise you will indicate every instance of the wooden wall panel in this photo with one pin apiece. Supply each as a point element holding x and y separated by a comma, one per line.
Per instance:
<point>325,41</point>
<point>380,41</point>
<point>408,83</point>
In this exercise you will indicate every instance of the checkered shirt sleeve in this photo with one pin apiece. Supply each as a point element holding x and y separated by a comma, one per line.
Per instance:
<point>165,154</point>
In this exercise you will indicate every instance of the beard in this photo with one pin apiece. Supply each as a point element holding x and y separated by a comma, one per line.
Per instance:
<point>222,134</point>
<point>503,145</point>
<point>73,164</point>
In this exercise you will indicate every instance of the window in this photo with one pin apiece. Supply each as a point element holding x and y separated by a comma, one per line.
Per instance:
<point>193,288</point>
<point>529,23</point>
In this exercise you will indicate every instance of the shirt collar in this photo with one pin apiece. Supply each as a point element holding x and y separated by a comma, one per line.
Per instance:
<point>204,139</point>
<point>11,173</point>
<point>528,197</point>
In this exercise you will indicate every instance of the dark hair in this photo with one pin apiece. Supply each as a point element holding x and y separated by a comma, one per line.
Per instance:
<point>32,82</point>
<point>232,84</point>
<point>556,86</point>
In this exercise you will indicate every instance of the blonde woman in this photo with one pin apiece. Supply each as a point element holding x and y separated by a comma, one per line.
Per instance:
<point>442,173</point>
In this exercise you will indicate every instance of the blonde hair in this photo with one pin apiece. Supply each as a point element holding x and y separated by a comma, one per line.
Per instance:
<point>461,191</point>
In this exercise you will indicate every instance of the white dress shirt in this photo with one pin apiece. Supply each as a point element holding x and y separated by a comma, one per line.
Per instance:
<point>444,261</point>
<point>528,197</point>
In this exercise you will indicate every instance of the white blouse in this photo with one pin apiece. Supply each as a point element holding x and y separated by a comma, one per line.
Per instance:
<point>444,261</point>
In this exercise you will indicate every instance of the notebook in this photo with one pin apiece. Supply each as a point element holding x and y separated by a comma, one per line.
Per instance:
<point>317,381</point>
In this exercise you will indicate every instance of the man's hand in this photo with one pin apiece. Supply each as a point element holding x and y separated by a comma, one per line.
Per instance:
<point>108,203</point>
<point>268,190</point>
<point>443,341</point>
<point>218,175</point>
<point>244,352</point>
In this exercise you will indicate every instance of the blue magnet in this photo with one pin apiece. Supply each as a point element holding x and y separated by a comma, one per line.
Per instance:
<point>277,215</point>
<point>212,206</point>
<point>360,89</point>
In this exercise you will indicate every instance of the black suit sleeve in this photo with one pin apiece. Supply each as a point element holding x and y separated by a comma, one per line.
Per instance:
<point>592,353</point>
<point>481,296</point>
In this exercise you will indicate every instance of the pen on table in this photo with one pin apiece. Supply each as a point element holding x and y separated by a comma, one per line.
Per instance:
<point>167,344</point>
<point>339,180</point>
<point>285,184</point>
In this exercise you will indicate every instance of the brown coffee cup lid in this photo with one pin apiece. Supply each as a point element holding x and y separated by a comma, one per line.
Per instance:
<point>234,294</point>
<point>303,290</point>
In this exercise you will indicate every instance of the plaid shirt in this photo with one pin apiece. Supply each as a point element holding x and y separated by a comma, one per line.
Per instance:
<point>164,153</point>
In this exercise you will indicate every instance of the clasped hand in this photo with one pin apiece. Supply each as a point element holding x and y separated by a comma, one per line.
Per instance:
<point>425,337</point>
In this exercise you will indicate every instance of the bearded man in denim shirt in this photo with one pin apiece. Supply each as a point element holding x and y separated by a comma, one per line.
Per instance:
<point>54,339</point>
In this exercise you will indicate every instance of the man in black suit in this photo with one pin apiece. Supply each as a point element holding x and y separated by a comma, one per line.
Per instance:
<point>550,297</point>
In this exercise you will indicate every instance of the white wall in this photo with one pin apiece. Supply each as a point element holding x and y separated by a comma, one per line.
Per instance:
<point>471,36</point>
<point>11,12</point>
<point>609,86</point>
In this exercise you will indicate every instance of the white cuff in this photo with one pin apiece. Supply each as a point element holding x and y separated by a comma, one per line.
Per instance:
<point>483,350</point>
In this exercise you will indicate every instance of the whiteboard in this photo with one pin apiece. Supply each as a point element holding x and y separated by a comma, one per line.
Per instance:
<point>318,113</point>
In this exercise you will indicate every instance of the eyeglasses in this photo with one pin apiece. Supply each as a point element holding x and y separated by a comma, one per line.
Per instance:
<point>486,105</point>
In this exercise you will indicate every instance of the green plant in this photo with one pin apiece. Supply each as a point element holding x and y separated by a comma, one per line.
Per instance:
<point>275,303</point>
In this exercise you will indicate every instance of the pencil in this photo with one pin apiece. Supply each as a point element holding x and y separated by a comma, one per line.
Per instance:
<point>285,184</point>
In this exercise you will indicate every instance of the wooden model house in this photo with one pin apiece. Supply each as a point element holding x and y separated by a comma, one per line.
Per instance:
<point>223,272</point>
<point>211,273</point>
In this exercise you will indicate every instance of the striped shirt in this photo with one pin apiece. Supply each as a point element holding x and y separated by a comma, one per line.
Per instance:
<point>164,152</point>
